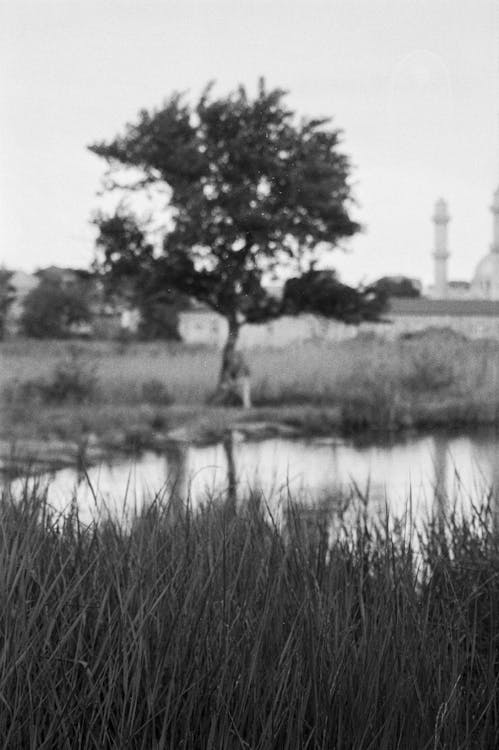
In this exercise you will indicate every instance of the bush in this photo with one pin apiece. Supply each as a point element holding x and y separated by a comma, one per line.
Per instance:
<point>372,399</point>
<point>72,380</point>
<point>430,371</point>
<point>52,311</point>
<point>154,391</point>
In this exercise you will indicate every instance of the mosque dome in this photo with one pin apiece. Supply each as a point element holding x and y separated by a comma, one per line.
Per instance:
<point>485,282</point>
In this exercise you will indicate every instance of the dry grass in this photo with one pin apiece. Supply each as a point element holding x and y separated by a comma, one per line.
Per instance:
<point>122,370</point>
<point>375,383</point>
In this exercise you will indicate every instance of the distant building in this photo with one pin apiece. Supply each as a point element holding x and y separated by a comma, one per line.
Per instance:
<point>22,284</point>
<point>485,281</point>
<point>458,289</point>
<point>473,318</point>
<point>469,308</point>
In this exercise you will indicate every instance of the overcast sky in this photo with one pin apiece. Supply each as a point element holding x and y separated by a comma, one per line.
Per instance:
<point>414,85</point>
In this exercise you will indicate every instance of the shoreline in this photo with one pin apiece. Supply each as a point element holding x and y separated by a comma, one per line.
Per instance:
<point>48,443</point>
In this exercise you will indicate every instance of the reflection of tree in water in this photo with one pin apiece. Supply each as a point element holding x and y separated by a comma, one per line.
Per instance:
<point>445,483</point>
<point>448,496</point>
<point>177,477</point>
<point>493,495</point>
<point>440,487</point>
<point>318,519</point>
<point>228,445</point>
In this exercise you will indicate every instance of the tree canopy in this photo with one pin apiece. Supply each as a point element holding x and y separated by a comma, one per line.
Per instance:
<point>133,275</point>
<point>52,309</point>
<point>322,293</point>
<point>397,286</point>
<point>255,195</point>
<point>7,297</point>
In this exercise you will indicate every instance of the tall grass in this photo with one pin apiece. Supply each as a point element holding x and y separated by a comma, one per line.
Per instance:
<point>321,372</point>
<point>219,629</point>
<point>123,371</point>
<point>436,380</point>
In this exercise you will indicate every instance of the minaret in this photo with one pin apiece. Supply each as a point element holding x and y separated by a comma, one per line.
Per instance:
<point>441,219</point>
<point>495,215</point>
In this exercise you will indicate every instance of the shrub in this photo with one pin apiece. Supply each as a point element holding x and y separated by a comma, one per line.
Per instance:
<point>430,370</point>
<point>154,391</point>
<point>72,380</point>
<point>372,400</point>
<point>52,310</point>
<point>138,438</point>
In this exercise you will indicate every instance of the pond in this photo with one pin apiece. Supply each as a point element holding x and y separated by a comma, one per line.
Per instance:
<point>421,470</point>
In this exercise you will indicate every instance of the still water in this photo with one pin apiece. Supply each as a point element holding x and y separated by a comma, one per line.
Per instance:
<point>421,470</point>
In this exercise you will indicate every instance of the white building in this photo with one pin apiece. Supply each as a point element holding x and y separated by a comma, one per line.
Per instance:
<point>22,284</point>
<point>485,282</point>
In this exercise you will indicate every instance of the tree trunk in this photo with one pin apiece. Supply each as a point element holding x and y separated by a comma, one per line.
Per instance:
<point>228,445</point>
<point>229,355</point>
<point>234,381</point>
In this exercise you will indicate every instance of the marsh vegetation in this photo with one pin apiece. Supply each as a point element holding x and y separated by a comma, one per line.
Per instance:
<point>436,379</point>
<point>222,628</point>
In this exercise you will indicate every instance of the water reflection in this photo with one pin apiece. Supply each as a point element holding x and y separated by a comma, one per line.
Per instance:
<point>427,472</point>
<point>228,446</point>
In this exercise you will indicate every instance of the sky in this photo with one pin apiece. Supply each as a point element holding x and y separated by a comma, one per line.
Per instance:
<point>413,85</point>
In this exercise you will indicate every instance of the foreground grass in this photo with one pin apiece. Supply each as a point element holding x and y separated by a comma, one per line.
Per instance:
<point>217,629</point>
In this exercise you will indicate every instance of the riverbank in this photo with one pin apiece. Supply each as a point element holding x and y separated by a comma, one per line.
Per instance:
<point>82,437</point>
<point>68,404</point>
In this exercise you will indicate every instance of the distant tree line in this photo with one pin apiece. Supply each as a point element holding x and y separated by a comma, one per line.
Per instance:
<point>7,297</point>
<point>397,286</point>
<point>55,309</point>
<point>58,308</point>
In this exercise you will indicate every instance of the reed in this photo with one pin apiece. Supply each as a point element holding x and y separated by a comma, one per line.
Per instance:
<point>221,628</point>
<point>314,371</point>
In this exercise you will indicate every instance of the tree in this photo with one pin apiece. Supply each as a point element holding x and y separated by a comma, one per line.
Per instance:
<point>254,195</point>
<point>321,293</point>
<point>397,286</point>
<point>7,297</point>
<point>132,275</point>
<point>51,309</point>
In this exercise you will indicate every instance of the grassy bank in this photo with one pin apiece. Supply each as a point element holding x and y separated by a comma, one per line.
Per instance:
<point>434,380</point>
<point>216,629</point>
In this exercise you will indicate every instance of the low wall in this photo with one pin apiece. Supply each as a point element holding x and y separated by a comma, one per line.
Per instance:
<point>210,329</point>
<point>471,326</point>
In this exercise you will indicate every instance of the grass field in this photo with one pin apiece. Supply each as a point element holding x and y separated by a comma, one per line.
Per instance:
<point>437,379</point>
<point>216,629</point>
